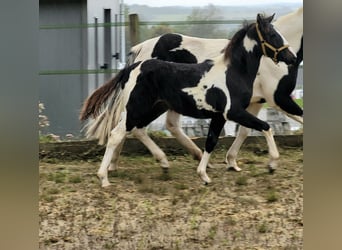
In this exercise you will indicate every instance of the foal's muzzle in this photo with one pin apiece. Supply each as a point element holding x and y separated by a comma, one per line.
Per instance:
<point>287,57</point>
<point>279,54</point>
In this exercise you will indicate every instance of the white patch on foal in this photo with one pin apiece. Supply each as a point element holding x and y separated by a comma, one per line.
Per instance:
<point>249,44</point>
<point>199,92</point>
<point>214,78</point>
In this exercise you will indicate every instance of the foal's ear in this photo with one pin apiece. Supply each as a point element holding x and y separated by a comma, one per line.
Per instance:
<point>270,18</point>
<point>262,19</point>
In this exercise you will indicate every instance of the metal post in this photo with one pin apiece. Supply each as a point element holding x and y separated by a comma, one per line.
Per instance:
<point>96,50</point>
<point>123,39</point>
<point>107,43</point>
<point>116,55</point>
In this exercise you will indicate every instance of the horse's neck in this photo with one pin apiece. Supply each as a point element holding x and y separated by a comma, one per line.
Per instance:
<point>247,66</point>
<point>291,27</point>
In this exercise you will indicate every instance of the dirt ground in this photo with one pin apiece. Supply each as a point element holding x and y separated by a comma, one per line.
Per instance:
<point>146,209</point>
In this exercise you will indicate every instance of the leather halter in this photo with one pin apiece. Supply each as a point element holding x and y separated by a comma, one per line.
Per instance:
<point>265,44</point>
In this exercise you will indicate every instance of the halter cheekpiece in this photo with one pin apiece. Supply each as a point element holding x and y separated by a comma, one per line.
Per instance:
<point>265,44</point>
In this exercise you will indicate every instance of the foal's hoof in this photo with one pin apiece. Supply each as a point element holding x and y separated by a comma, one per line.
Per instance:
<point>206,181</point>
<point>235,169</point>
<point>271,170</point>
<point>165,170</point>
<point>106,185</point>
<point>104,180</point>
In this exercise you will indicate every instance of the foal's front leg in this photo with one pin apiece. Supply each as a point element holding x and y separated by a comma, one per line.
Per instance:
<point>241,136</point>
<point>246,119</point>
<point>215,128</point>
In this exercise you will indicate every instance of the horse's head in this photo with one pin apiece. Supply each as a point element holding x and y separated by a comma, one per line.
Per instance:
<point>272,43</point>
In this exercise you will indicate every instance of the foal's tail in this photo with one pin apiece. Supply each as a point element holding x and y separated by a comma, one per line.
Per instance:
<point>104,106</point>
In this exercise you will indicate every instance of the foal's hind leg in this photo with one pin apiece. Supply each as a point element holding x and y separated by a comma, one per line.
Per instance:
<point>241,136</point>
<point>152,146</point>
<point>116,137</point>
<point>115,159</point>
<point>172,124</point>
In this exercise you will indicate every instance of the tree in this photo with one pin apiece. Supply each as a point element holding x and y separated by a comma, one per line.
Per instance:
<point>207,13</point>
<point>161,29</point>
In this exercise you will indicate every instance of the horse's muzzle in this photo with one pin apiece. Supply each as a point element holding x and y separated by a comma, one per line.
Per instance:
<point>287,57</point>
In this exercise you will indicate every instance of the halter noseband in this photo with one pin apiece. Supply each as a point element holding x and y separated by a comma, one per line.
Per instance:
<point>265,44</point>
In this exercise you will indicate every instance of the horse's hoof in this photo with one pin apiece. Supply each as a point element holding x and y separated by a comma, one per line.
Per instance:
<point>271,170</point>
<point>104,180</point>
<point>235,169</point>
<point>206,181</point>
<point>106,185</point>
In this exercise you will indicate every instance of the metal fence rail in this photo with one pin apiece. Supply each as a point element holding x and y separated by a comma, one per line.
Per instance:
<point>67,78</point>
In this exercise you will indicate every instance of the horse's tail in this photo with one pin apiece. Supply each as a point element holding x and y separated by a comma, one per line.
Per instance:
<point>105,106</point>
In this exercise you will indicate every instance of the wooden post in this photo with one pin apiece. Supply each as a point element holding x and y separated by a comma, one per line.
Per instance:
<point>134,29</point>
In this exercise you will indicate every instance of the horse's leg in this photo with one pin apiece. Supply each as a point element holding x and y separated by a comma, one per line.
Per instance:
<point>114,162</point>
<point>242,134</point>
<point>152,146</point>
<point>246,119</point>
<point>215,128</point>
<point>116,137</point>
<point>296,118</point>
<point>272,150</point>
<point>172,124</point>
<point>287,104</point>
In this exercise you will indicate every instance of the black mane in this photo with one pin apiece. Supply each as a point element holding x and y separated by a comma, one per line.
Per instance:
<point>236,41</point>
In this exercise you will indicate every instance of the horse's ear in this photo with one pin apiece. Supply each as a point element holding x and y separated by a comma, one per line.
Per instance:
<point>270,18</point>
<point>262,19</point>
<point>259,18</point>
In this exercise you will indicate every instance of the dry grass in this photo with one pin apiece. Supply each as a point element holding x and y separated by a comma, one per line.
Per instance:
<point>146,209</point>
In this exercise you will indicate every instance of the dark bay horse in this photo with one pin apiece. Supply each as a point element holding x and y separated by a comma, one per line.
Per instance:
<point>219,88</point>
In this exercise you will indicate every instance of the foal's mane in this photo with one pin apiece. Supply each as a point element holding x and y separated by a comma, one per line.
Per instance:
<point>236,41</point>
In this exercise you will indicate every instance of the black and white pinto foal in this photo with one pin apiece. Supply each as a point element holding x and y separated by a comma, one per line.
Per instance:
<point>273,83</point>
<point>219,89</point>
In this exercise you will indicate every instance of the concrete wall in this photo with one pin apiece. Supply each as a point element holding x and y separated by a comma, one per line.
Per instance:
<point>60,50</point>
<point>95,9</point>
<point>66,53</point>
